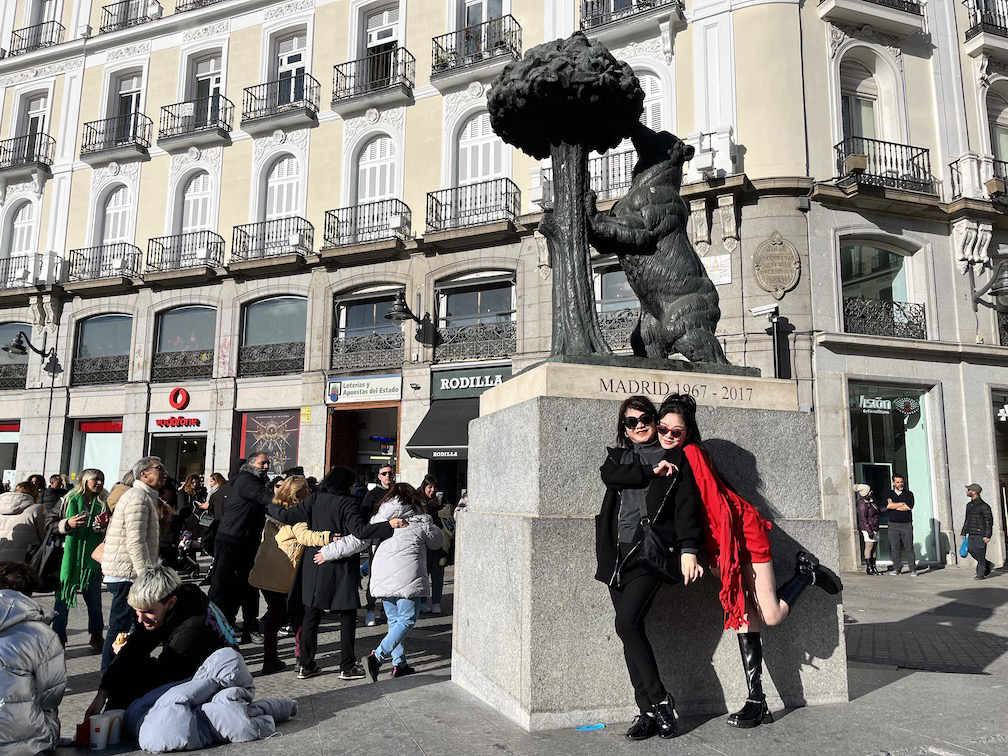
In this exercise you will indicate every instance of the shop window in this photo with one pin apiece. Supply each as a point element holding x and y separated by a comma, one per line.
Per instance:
<point>876,293</point>
<point>103,350</point>
<point>476,318</point>
<point>366,316</point>
<point>13,367</point>
<point>617,305</point>
<point>476,303</point>
<point>185,344</point>
<point>365,338</point>
<point>273,337</point>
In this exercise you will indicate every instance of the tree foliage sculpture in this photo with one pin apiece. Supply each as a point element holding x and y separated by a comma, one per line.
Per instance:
<point>562,100</point>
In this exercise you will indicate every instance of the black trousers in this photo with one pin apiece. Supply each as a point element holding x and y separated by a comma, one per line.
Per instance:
<point>632,604</point>
<point>978,550</point>
<point>230,587</point>
<point>309,636</point>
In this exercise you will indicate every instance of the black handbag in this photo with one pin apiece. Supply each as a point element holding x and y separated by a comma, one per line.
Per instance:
<point>47,560</point>
<point>656,554</point>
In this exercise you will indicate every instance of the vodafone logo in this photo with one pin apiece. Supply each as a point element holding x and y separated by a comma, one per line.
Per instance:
<point>178,398</point>
<point>178,422</point>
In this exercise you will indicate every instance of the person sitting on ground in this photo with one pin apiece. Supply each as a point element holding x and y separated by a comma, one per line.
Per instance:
<point>180,619</point>
<point>33,674</point>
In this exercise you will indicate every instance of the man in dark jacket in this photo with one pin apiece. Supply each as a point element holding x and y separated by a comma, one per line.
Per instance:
<point>53,494</point>
<point>977,529</point>
<point>386,479</point>
<point>243,514</point>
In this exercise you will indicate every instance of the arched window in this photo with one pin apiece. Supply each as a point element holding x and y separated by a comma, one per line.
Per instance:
<point>21,233</point>
<point>185,344</point>
<point>859,94</point>
<point>115,217</point>
<point>877,296</point>
<point>997,117</point>
<point>197,199</point>
<point>102,352</point>
<point>13,367</point>
<point>376,170</point>
<point>364,337</point>
<point>480,152</point>
<point>273,337</point>
<point>283,188</point>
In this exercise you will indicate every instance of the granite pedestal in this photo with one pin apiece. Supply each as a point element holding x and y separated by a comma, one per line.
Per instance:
<point>534,632</point>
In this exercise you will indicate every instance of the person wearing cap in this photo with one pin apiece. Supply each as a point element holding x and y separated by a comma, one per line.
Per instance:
<point>868,522</point>
<point>977,529</point>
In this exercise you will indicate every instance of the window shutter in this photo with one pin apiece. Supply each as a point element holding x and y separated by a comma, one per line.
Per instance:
<point>22,229</point>
<point>196,204</point>
<point>282,188</point>
<point>115,223</point>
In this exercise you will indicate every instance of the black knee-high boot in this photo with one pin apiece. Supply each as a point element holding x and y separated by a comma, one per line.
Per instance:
<point>755,709</point>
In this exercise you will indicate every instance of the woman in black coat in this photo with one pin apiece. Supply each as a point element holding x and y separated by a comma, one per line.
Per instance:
<point>331,586</point>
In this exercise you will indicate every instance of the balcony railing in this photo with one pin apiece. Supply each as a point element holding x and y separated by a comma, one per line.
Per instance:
<point>130,130</point>
<point>106,261</point>
<point>180,366</point>
<point>372,221</point>
<point>192,250</point>
<point>871,317</point>
<point>271,359</point>
<point>595,13</point>
<point>373,73</point>
<point>27,149</point>
<point>474,44</point>
<point>907,6</point>
<point>202,114</point>
<point>609,176</point>
<point>283,236</point>
<point>189,5</point>
<point>955,180</point>
<point>483,341</point>
<point>887,164</point>
<point>46,34</point>
<point>13,376</point>
<point>989,16</point>
<point>1002,318</point>
<point>374,350</point>
<point>618,325</point>
<point>124,14</point>
<point>280,96</point>
<point>17,271</point>
<point>473,205</point>
<point>96,371</point>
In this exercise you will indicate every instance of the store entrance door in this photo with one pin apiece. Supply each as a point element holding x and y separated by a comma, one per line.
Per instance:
<point>182,455</point>
<point>363,437</point>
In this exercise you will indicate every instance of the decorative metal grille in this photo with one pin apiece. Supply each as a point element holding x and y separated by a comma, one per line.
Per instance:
<point>473,204</point>
<point>595,13</point>
<point>95,371</point>
<point>617,326</point>
<point>281,96</point>
<point>177,366</point>
<point>282,236</point>
<point>17,271</point>
<point>474,44</point>
<point>124,14</point>
<point>987,16</point>
<point>192,250</point>
<point>372,221</point>
<point>187,5</point>
<point>609,176</point>
<point>26,150</point>
<point>192,116</point>
<point>907,6</point>
<point>377,350</point>
<point>483,341</point>
<point>1002,318</point>
<point>106,261</point>
<point>897,166</point>
<point>130,130</point>
<point>271,359</point>
<point>46,34</point>
<point>13,376</point>
<point>904,320</point>
<point>378,71</point>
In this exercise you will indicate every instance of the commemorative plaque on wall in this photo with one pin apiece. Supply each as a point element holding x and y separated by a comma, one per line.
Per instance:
<point>777,265</point>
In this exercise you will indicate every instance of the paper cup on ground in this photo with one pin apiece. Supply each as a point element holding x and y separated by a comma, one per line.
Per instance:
<point>116,719</point>
<point>99,731</point>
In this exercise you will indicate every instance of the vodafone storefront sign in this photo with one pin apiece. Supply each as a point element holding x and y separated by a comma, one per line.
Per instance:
<point>167,422</point>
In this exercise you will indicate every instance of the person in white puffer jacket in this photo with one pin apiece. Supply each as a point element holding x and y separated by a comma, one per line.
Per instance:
<point>33,674</point>
<point>399,575</point>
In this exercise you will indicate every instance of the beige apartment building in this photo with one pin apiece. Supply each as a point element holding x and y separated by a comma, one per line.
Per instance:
<point>208,207</point>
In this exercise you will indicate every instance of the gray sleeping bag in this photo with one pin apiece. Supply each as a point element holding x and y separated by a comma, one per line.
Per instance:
<point>215,706</point>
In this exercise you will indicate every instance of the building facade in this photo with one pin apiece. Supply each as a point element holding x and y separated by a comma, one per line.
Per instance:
<point>207,207</point>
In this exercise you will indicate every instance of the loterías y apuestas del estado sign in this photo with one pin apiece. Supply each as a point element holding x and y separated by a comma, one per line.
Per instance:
<point>471,382</point>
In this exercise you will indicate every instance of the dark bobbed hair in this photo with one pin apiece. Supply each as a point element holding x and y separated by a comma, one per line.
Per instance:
<point>338,480</point>
<point>20,577</point>
<point>683,405</point>
<point>406,494</point>
<point>429,479</point>
<point>639,403</point>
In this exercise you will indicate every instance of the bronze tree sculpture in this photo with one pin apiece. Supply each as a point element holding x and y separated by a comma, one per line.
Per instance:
<point>562,100</point>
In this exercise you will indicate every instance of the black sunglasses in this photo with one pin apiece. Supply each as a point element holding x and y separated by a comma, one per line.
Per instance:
<point>674,432</point>
<point>631,422</point>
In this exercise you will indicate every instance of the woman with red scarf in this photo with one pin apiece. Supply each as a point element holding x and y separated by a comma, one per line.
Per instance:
<point>738,551</point>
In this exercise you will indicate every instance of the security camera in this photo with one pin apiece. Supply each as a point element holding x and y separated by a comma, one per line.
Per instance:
<point>415,386</point>
<point>769,310</point>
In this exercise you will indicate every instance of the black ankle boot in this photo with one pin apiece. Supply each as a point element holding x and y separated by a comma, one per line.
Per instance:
<point>665,714</point>
<point>867,566</point>
<point>874,568</point>
<point>644,726</point>
<point>817,575</point>
<point>755,709</point>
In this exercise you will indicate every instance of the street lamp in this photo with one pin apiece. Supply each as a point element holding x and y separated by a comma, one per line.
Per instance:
<point>400,312</point>
<point>997,287</point>
<point>52,367</point>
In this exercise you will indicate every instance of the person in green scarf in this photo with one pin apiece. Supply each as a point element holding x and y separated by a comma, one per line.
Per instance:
<point>84,525</point>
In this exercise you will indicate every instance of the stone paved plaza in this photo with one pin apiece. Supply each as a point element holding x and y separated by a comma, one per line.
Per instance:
<point>927,676</point>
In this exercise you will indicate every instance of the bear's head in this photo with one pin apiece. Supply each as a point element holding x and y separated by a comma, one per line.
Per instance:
<point>660,147</point>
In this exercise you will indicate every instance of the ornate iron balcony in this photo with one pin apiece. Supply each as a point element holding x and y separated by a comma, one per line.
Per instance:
<point>871,317</point>
<point>907,6</point>
<point>192,250</point>
<point>375,350</point>
<point>124,14</point>
<point>375,72</point>
<point>105,261</point>
<point>1002,319</point>
<point>17,271</point>
<point>473,205</point>
<point>989,16</point>
<point>618,325</point>
<point>13,376</point>
<point>281,96</point>
<point>97,371</point>
<point>372,221</point>
<point>609,176</point>
<point>46,34</point>
<point>271,359</point>
<point>130,130</point>
<point>188,5</point>
<point>888,164</point>
<point>272,238</point>
<point>180,366</point>
<point>595,13</point>
<point>483,341</point>
<point>474,44</point>
<point>202,114</point>
<point>26,150</point>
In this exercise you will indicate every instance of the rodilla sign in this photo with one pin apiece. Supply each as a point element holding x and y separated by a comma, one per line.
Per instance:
<point>467,383</point>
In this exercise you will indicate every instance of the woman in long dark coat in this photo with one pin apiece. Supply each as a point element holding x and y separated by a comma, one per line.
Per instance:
<point>331,586</point>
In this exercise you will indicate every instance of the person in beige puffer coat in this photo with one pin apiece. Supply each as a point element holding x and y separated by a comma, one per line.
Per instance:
<point>22,522</point>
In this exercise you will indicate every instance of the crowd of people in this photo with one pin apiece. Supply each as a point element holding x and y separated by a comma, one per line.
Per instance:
<point>302,545</point>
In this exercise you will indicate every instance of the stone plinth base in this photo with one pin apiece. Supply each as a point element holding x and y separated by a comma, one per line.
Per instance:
<point>533,631</point>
